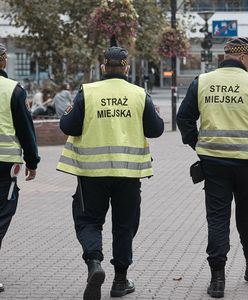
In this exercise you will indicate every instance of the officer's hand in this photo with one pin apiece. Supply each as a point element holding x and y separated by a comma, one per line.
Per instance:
<point>30,174</point>
<point>157,108</point>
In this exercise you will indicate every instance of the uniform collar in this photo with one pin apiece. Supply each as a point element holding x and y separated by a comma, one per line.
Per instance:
<point>232,63</point>
<point>110,76</point>
<point>3,73</point>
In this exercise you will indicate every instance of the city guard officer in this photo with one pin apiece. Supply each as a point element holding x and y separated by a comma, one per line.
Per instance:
<point>16,134</point>
<point>107,149</point>
<point>220,99</point>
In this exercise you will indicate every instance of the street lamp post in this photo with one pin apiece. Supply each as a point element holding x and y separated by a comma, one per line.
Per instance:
<point>206,44</point>
<point>174,70</point>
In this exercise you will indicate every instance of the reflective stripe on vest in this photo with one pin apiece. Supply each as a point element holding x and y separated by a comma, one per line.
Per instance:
<point>8,138</point>
<point>226,147</point>
<point>107,150</point>
<point>10,151</point>
<point>223,133</point>
<point>105,164</point>
<point>223,107</point>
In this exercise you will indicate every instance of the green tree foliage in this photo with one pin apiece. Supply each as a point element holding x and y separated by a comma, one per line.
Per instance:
<point>173,42</point>
<point>77,32</point>
<point>75,44</point>
<point>41,28</point>
<point>152,19</point>
<point>112,18</point>
<point>55,31</point>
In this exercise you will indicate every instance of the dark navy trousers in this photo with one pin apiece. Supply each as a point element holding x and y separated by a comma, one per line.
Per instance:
<point>222,185</point>
<point>123,194</point>
<point>7,207</point>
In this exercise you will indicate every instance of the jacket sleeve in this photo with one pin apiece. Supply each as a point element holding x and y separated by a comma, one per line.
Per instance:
<point>71,123</point>
<point>24,127</point>
<point>152,123</point>
<point>188,114</point>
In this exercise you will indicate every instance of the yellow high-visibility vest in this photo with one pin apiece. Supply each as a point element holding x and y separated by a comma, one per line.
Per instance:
<point>223,106</point>
<point>10,149</point>
<point>112,142</point>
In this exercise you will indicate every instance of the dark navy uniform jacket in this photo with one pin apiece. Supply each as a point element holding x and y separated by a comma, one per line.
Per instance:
<point>72,123</point>
<point>188,114</point>
<point>24,128</point>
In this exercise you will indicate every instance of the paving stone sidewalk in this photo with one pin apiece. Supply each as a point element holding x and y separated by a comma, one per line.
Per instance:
<point>41,258</point>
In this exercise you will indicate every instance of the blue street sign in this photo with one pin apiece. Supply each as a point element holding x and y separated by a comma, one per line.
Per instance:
<point>225,28</point>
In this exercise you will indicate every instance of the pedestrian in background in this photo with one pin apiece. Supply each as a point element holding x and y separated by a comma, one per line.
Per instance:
<point>16,134</point>
<point>151,81</point>
<point>62,99</point>
<point>108,151</point>
<point>42,103</point>
<point>220,99</point>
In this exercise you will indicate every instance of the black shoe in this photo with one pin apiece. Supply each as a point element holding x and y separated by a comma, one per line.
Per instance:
<point>121,288</point>
<point>1,287</point>
<point>246,273</point>
<point>217,284</point>
<point>96,276</point>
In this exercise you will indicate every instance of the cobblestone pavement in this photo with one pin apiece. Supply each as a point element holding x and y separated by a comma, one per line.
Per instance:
<point>41,258</point>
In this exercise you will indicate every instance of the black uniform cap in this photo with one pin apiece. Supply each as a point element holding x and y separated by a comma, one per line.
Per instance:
<point>116,57</point>
<point>3,52</point>
<point>236,45</point>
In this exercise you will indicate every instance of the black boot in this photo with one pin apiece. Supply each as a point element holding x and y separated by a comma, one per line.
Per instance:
<point>246,272</point>
<point>96,276</point>
<point>1,287</point>
<point>217,284</point>
<point>121,286</point>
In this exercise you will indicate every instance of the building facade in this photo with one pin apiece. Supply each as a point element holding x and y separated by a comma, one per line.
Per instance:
<point>21,65</point>
<point>227,18</point>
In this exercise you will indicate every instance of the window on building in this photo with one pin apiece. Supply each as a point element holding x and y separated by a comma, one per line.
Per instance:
<point>220,5</point>
<point>22,64</point>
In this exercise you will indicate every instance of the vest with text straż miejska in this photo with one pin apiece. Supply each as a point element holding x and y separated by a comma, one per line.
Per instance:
<point>10,149</point>
<point>112,141</point>
<point>223,106</point>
